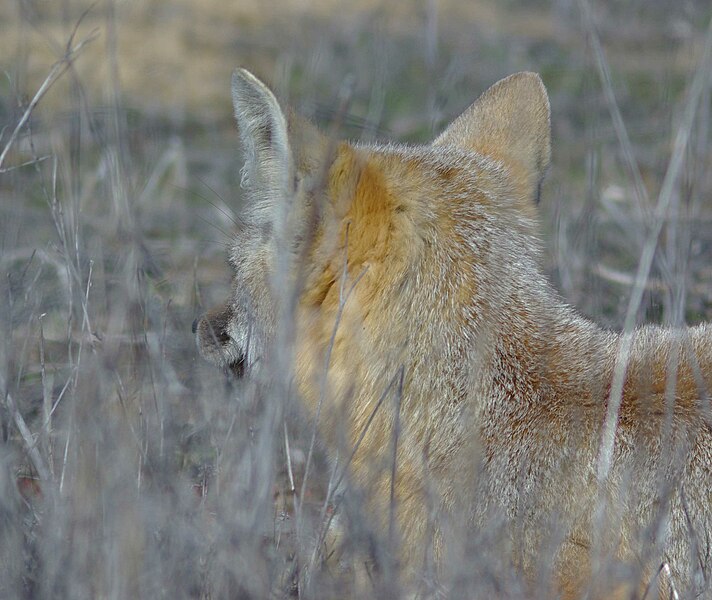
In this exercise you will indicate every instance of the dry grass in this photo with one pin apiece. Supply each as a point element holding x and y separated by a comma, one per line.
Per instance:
<point>127,467</point>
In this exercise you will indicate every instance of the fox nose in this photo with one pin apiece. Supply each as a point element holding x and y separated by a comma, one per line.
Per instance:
<point>194,326</point>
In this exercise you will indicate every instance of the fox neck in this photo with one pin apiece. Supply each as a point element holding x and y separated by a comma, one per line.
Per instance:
<point>545,355</point>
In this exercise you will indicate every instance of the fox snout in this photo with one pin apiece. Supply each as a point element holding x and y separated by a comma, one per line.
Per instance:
<point>215,343</point>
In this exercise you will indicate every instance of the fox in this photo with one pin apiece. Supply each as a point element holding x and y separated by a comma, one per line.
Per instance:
<point>430,348</point>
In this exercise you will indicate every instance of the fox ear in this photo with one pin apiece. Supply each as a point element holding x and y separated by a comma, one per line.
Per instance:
<point>509,122</point>
<point>263,129</point>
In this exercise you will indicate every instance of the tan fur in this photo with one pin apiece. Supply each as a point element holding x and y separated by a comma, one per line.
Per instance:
<point>424,260</point>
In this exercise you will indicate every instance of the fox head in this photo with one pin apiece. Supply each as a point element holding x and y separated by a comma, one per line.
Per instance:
<point>406,233</point>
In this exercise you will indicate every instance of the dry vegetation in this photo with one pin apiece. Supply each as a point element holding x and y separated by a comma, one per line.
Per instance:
<point>127,467</point>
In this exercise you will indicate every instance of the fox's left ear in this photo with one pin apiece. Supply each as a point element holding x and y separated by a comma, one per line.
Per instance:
<point>509,122</point>
<point>263,132</point>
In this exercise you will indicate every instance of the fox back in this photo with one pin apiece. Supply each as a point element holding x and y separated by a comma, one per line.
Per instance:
<point>437,359</point>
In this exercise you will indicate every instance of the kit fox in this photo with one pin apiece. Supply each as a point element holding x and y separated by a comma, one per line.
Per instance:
<point>419,265</point>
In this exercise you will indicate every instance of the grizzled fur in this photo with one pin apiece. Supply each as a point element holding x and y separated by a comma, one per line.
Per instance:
<point>425,261</point>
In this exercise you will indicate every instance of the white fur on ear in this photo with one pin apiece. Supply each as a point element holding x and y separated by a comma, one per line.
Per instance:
<point>263,129</point>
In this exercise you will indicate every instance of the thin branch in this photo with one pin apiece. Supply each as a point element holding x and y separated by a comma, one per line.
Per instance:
<point>625,279</point>
<point>604,73</point>
<point>287,450</point>
<point>46,431</point>
<point>394,465</point>
<point>641,193</point>
<point>332,488</point>
<point>27,163</point>
<point>30,446</point>
<point>324,383</point>
<point>58,69</point>
<point>700,83</point>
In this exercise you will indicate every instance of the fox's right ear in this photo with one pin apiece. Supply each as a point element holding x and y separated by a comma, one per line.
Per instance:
<point>263,130</point>
<point>509,122</point>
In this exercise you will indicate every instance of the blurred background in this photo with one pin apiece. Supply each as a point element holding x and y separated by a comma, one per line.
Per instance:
<point>129,468</point>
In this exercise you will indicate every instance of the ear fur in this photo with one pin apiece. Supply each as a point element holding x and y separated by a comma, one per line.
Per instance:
<point>509,122</point>
<point>263,130</point>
